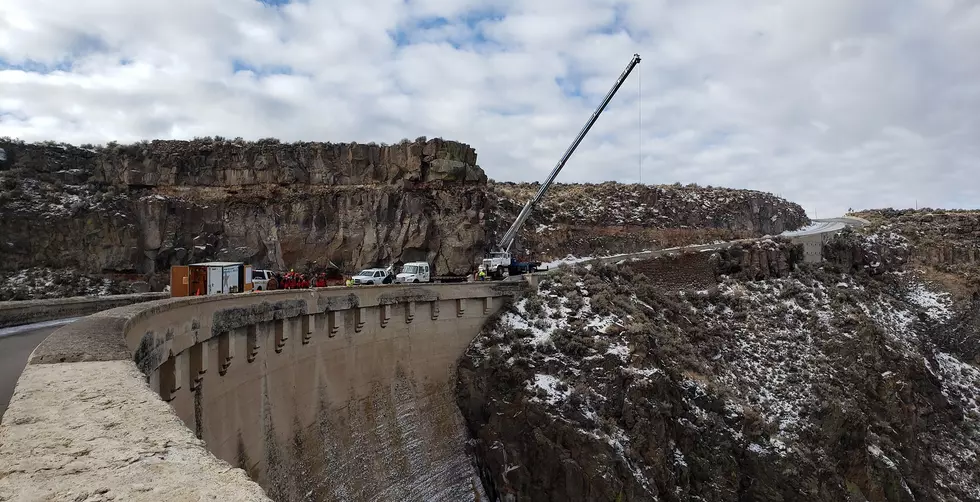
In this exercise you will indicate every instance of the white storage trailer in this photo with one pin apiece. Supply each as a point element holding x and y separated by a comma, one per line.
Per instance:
<point>224,276</point>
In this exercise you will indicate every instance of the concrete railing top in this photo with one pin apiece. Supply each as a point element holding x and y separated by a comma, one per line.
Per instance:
<point>13,313</point>
<point>85,424</point>
<point>20,304</point>
<point>106,335</point>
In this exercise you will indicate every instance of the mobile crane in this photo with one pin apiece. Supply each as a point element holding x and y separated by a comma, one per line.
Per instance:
<point>499,263</point>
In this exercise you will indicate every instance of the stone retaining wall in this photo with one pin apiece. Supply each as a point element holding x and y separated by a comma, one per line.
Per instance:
<point>16,313</point>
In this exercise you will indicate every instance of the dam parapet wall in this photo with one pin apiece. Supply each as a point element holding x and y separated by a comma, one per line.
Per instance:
<point>327,394</point>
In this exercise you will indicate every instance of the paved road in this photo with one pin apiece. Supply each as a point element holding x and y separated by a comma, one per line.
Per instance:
<point>16,345</point>
<point>816,227</point>
<point>825,225</point>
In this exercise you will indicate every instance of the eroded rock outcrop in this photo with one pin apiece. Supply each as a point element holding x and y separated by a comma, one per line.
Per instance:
<point>141,208</point>
<point>135,210</point>
<point>818,384</point>
<point>610,218</point>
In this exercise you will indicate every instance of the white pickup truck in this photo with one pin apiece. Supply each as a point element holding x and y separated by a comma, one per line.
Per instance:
<point>373,276</point>
<point>263,280</point>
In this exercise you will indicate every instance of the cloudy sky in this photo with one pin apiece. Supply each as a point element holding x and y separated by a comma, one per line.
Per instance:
<point>832,103</point>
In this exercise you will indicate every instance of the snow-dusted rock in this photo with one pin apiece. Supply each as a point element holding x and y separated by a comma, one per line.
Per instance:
<point>812,386</point>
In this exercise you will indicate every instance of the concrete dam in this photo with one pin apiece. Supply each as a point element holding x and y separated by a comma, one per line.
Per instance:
<point>327,394</point>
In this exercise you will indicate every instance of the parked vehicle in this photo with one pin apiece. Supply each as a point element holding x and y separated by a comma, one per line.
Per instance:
<point>504,265</point>
<point>264,280</point>
<point>413,272</point>
<point>372,276</point>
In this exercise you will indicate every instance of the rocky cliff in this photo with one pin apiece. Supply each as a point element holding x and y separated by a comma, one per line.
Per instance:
<point>779,382</point>
<point>141,208</point>
<point>944,244</point>
<point>611,218</point>
<point>131,211</point>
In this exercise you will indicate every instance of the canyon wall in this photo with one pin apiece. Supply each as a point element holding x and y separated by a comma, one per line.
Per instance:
<point>132,211</point>
<point>853,379</point>
<point>610,218</point>
<point>142,208</point>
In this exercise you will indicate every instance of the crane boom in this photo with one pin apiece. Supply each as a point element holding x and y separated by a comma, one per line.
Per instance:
<point>508,239</point>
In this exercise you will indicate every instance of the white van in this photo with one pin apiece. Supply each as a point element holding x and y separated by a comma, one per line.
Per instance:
<point>416,271</point>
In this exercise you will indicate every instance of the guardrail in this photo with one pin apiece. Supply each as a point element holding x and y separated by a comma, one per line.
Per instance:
<point>16,313</point>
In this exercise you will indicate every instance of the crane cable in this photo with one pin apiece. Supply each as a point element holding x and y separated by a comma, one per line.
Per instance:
<point>639,124</point>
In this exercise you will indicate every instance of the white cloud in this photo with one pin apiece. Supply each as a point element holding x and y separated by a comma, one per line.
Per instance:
<point>832,104</point>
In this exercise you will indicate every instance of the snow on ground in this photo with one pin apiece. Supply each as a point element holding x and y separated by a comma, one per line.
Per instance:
<point>552,388</point>
<point>772,357</point>
<point>961,383</point>
<point>567,260</point>
<point>38,283</point>
<point>619,204</point>
<point>959,456</point>
<point>49,201</point>
<point>938,305</point>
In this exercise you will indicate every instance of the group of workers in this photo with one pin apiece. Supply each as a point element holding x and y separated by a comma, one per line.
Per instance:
<point>296,280</point>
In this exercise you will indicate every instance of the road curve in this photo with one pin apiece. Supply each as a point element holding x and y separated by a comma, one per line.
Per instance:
<point>819,226</point>
<point>824,226</point>
<point>16,345</point>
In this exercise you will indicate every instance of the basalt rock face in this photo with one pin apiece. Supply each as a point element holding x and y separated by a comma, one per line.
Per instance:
<point>135,210</point>
<point>142,208</point>
<point>610,218</point>
<point>943,243</point>
<point>239,163</point>
<point>820,382</point>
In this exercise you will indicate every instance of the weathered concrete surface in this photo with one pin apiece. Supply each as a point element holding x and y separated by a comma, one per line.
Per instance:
<point>30,311</point>
<point>93,338</point>
<point>95,431</point>
<point>329,394</point>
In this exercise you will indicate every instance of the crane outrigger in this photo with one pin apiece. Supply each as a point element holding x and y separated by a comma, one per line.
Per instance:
<point>500,263</point>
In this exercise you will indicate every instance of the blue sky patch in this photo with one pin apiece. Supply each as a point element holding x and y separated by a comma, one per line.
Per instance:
<point>36,67</point>
<point>472,20</point>
<point>82,46</point>
<point>570,86</point>
<point>262,70</point>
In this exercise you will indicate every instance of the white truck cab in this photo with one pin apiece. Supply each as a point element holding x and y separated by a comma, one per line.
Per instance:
<point>416,271</point>
<point>497,265</point>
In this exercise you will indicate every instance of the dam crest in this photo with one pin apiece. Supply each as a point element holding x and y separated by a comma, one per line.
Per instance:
<point>327,394</point>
